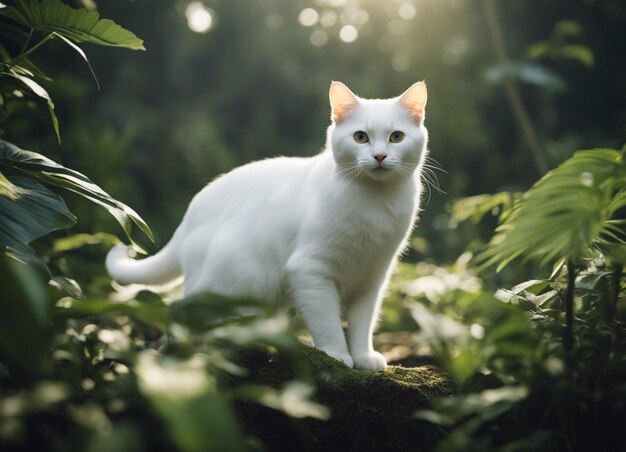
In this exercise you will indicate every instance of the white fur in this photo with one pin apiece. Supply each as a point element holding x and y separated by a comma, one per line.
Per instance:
<point>323,232</point>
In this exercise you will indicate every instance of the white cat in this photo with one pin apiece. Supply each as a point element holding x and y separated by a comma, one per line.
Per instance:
<point>323,232</point>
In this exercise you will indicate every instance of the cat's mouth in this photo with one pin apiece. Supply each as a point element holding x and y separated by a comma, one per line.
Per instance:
<point>379,172</point>
<point>380,168</point>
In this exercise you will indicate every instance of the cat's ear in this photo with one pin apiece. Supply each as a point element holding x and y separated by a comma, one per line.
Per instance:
<point>342,101</point>
<point>414,100</point>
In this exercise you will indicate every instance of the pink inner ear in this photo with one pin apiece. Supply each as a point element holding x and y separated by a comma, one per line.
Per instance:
<point>414,99</point>
<point>340,111</point>
<point>342,101</point>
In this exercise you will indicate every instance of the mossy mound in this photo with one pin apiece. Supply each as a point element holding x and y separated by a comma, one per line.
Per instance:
<point>370,411</point>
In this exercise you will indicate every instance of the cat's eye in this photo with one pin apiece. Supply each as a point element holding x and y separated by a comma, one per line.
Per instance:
<point>361,137</point>
<point>396,136</point>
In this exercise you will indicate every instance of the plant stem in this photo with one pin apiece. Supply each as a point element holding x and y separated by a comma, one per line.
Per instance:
<point>568,344</point>
<point>25,46</point>
<point>25,53</point>
<point>615,286</point>
<point>568,335</point>
<point>511,91</point>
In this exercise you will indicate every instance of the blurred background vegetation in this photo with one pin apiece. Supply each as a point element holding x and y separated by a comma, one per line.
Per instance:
<point>251,82</point>
<point>515,88</point>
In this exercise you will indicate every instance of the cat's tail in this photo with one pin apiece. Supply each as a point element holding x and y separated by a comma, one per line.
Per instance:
<point>153,270</point>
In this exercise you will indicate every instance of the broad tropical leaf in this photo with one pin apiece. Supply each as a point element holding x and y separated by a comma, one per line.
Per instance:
<point>52,173</point>
<point>31,212</point>
<point>79,25</point>
<point>569,209</point>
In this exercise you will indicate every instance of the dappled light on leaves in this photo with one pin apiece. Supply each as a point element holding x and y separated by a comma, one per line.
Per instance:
<point>172,378</point>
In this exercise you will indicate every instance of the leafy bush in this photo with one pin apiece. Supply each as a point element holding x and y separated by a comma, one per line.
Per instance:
<point>541,365</point>
<point>29,209</point>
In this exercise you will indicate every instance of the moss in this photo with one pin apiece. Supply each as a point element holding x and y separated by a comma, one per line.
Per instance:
<point>370,411</point>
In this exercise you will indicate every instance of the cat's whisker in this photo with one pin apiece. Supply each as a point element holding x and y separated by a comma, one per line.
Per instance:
<point>434,164</point>
<point>346,175</point>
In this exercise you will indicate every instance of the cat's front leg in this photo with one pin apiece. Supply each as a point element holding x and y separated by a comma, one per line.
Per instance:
<point>362,315</point>
<point>317,301</point>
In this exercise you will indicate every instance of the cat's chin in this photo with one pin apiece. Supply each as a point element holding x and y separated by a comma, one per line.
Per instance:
<point>379,173</point>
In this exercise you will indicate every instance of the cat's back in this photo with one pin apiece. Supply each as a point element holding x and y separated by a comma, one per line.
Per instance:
<point>263,186</point>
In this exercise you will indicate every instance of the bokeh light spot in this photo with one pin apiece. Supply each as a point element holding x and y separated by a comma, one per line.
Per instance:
<point>199,17</point>
<point>407,11</point>
<point>308,17</point>
<point>361,16</point>
<point>328,18</point>
<point>348,33</point>
<point>319,38</point>
<point>454,50</point>
<point>400,62</point>
<point>274,21</point>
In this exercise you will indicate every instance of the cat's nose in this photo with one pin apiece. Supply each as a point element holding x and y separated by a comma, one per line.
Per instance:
<point>380,157</point>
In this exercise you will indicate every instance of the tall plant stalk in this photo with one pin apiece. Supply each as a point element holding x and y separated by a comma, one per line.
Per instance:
<point>615,289</point>
<point>568,335</point>
<point>512,93</point>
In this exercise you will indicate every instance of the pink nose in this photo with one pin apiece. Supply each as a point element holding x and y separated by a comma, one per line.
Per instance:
<point>380,157</point>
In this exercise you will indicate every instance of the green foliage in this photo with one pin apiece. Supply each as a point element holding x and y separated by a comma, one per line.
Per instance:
<point>30,210</point>
<point>79,25</point>
<point>201,374</point>
<point>529,356</point>
<point>558,47</point>
<point>474,208</point>
<point>37,211</point>
<point>54,19</point>
<point>127,370</point>
<point>568,210</point>
<point>30,213</point>
<point>24,320</point>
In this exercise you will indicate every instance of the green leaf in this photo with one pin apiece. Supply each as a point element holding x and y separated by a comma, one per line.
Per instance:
<point>206,311</point>
<point>76,241</point>
<point>567,28</point>
<point>81,53</point>
<point>565,212</point>
<point>79,25</point>
<point>28,65</point>
<point>184,396</point>
<point>32,211</point>
<point>54,174</point>
<point>150,313</point>
<point>35,213</point>
<point>526,72</point>
<point>32,85</point>
<point>11,31</point>
<point>40,91</point>
<point>474,208</point>
<point>580,53</point>
<point>8,189</point>
<point>294,399</point>
<point>24,319</point>
<point>55,121</point>
<point>67,285</point>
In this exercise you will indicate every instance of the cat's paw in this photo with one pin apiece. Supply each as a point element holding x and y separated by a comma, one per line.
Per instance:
<point>343,357</point>
<point>369,361</point>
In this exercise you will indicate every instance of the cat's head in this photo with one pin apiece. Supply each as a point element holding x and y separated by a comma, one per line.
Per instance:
<point>380,139</point>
